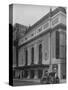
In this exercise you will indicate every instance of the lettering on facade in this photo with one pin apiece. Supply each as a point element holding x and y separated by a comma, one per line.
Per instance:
<point>55,67</point>
<point>46,25</point>
<point>40,30</point>
<point>37,32</point>
<point>55,21</point>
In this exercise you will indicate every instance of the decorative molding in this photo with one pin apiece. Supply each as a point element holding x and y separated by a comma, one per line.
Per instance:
<point>55,21</point>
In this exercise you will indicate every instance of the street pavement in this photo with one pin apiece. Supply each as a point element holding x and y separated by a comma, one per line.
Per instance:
<point>25,82</point>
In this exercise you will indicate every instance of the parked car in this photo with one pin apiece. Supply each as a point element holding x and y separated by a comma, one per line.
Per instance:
<point>50,78</point>
<point>53,79</point>
<point>45,79</point>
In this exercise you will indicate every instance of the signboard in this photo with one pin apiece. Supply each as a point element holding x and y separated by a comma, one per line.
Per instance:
<point>55,67</point>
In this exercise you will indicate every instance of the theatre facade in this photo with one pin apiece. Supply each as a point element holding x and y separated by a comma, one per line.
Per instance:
<point>43,47</point>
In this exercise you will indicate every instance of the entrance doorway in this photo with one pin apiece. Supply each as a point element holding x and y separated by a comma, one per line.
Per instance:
<point>40,73</point>
<point>32,72</point>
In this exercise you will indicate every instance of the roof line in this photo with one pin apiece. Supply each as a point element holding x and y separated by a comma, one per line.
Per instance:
<point>47,16</point>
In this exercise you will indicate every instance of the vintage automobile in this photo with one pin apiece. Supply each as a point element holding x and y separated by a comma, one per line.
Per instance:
<point>45,79</point>
<point>53,78</point>
<point>49,78</point>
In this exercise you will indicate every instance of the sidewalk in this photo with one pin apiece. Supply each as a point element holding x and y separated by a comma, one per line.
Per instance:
<point>29,80</point>
<point>62,81</point>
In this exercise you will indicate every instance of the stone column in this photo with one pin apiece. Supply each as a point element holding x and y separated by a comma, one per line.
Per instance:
<point>29,55</point>
<point>21,74</point>
<point>50,68</point>
<point>28,74</point>
<point>43,53</point>
<point>36,54</point>
<point>59,71</point>
<point>36,75</point>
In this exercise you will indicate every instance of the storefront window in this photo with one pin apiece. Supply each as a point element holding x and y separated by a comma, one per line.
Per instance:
<point>25,73</point>
<point>32,72</point>
<point>40,72</point>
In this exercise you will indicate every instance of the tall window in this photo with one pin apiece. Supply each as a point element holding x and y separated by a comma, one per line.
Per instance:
<point>60,45</point>
<point>40,54</point>
<point>57,44</point>
<point>32,55</point>
<point>63,53</point>
<point>26,57</point>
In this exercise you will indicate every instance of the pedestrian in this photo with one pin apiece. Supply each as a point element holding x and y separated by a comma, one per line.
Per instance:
<point>48,79</point>
<point>56,78</point>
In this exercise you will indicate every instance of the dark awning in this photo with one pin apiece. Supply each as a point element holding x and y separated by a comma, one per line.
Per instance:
<point>31,67</point>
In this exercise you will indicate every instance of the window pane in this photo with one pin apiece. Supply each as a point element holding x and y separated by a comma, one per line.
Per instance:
<point>62,51</point>
<point>32,55</point>
<point>26,56</point>
<point>62,38</point>
<point>40,54</point>
<point>57,44</point>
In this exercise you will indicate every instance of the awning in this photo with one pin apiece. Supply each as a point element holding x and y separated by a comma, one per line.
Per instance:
<point>32,67</point>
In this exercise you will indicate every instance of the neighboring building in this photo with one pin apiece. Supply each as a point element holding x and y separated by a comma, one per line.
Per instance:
<point>43,47</point>
<point>18,32</point>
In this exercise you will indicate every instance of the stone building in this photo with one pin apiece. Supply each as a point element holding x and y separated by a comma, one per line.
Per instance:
<point>18,33</point>
<point>43,47</point>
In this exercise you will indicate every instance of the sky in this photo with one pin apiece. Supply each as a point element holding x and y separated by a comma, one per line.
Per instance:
<point>29,14</point>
